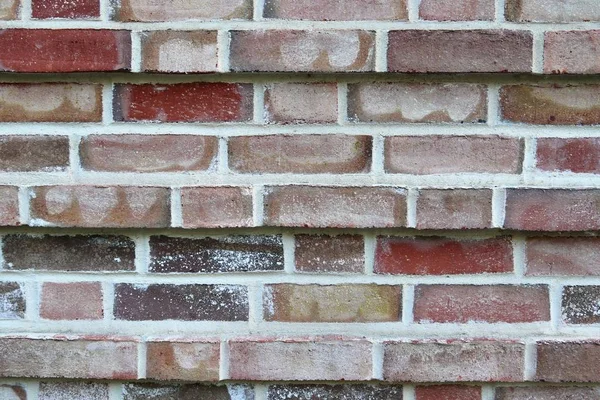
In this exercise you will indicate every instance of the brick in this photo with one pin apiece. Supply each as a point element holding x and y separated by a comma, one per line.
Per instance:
<point>9,206</point>
<point>179,10</point>
<point>183,102</point>
<point>148,153</point>
<point>303,51</point>
<point>183,361</point>
<point>50,102</point>
<point>493,361</point>
<point>300,154</point>
<point>24,153</point>
<point>547,393</point>
<point>324,253</point>
<point>417,102</point>
<point>454,209</point>
<point>580,155</point>
<point>336,10</point>
<point>568,361</point>
<point>179,51</point>
<point>9,9</point>
<point>69,253</point>
<point>80,9</point>
<point>71,301</point>
<point>425,51</point>
<point>461,10</point>
<point>97,206</point>
<point>555,256</point>
<point>332,303</point>
<point>73,391</point>
<point>481,303</point>
<point>147,391</point>
<point>552,209</point>
<point>216,207</point>
<point>12,301</point>
<point>448,392</point>
<point>580,304</point>
<point>158,302</point>
<point>334,392</point>
<point>300,360</point>
<point>424,155</point>
<point>442,256</point>
<point>292,103</point>
<point>571,52</point>
<point>551,105</point>
<point>12,392</point>
<point>552,10</point>
<point>64,50</point>
<point>77,359</point>
<point>340,207</point>
<point>256,253</point>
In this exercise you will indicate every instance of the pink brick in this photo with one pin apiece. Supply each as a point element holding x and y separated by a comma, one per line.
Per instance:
<point>190,361</point>
<point>454,209</point>
<point>9,206</point>
<point>178,10</point>
<point>457,10</point>
<point>179,51</point>
<point>557,256</point>
<point>580,155</point>
<point>572,52</point>
<point>216,207</point>
<point>302,103</point>
<point>71,301</point>
<point>336,10</point>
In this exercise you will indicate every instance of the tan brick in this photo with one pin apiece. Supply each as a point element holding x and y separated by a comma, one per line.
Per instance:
<point>454,209</point>
<point>71,301</point>
<point>9,9</point>
<point>562,256</point>
<point>336,10</point>
<point>216,207</point>
<point>177,10</point>
<point>457,10</point>
<point>301,103</point>
<point>179,51</point>
<point>183,361</point>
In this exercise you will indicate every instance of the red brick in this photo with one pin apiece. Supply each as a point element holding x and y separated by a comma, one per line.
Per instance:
<point>481,303</point>
<point>350,391</point>
<point>556,256</point>
<point>568,361</point>
<point>71,301</point>
<point>12,392</point>
<point>216,207</point>
<point>314,103</point>
<point>573,155</point>
<point>147,153</point>
<point>179,51</point>
<point>455,361</point>
<point>457,10</point>
<point>340,207</point>
<point>192,361</point>
<point>335,254</point>
<point>9,206</point>
<point>552,10</point>
<point>336,10</point>
<point>300,154</point>
<point>448,392</point>
<point>460,51</point>
<point>23,153</point>
<point>454,209</point>
<point>580,304</point>
<point>183,102</point>
<point>12,301</point>
<point>80,9</point>
<point>442,256</point>
<point>64,50</point>
<point>178,10</point>
<point>296,51</point>
<point>73,390</point>
<point>571,52</point>
<point>9,9</point>
<point>547,393</point>
<point>300,360</point>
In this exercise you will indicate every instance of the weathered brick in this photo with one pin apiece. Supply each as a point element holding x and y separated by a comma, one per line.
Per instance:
<point>9,9</point>
<point>326,207</point>
<point>80,9</point>
<point>219,254</point>
<point>571,52</point>
<point>12,301</point>
<point>69,253</point>
<point>97,206</point>
<point>9,206</point>
<point>300,360</point>
<point>556,256</point>
<point>192,361</point>
<point>147,153</point>
<point>25,153</point>
<point>323,253</point>
<point>50,102</point>
<point>183,102</point>
<point>332,303</point>
<point>547,393</point>
<point>73,391</point>
<point>216,207</point>
<point>12,392</point>
<point>448,392</point>
<point>580,304</point>
<point>315,103</point>
<point>71,301</point>
<point>460,51</point>
<point>300,154</point>
<point>179,51</point>
<point>454,209</point>
<point>417,102</point>
<point>64,50</point>
<point>157,302</point>
<point>481,303</point>
<point>568,361</point>
<point>178,10</point>
<point>81,359</point>
<point>552,10</point>
<point>154,391</point>
<point>454,361</point>
<point>296,51</point>
<point>335,392</point>
<point>460,10</point>
<point>580,155</point>
<point>336,10</point>
<point>423,155</point>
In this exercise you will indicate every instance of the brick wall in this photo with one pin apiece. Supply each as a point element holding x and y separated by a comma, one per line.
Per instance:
<point>299,199</point>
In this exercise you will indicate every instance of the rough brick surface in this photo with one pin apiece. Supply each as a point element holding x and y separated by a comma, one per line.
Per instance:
<point>12,300</point>
<point>301,103</point>
<point>9,9</point>
<point>80,9</point>
<point>147,391</point>
<point>340,10</point>
<point>177,10</point>
<point>581,155</point>
<point>568,361</point>
<point>216,207</point>
<point>573,52</point>
<point>73,390</point>
<point>552,10</point>
<point>9,206</point>
<point>448,392</point>
<point>34,153</point>
<point>183,361</point>
<point>179,51</point>
<point>454,209</point>
<point>71,301</point>
<point>580,304</point>
<point>334,392</point>
<point>461,10</point>
<point>555,256</point>
<point>334,254</point>
<point>13,392</point>
<point>547,393</point>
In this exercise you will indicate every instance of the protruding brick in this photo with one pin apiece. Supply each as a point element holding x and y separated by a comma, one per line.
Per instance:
<point>315,103</point>
<point>73,391</point>
<point>9,206</point>
<point>568,361</point>
<point>456,361</point>
<point>24,153</point>
<point>547,393</point>
<point>552,10</point>
<point>571,52</point>
<point>327,207</point>
<point>96,206</point>
<point>80,9</point>
<point>159,302</point>
<point>179,51</point>
<point>183,102</point>
<point>323,253</point>
<point>334,392</point>
<point>9,9</point>
<point>179,10</point>
<point>146,391</point>
<point>461,10</point>
<point>12,392</point>
<point>300,154</point>
<point>571,155</point>
<point>336,10</point>
<point>71,301</point>
<point>454,209</point>
<point>448,392</point>
<point>216,207</point>
<point>148,153</point>
<point>557,256</point>
<point>300,360</point>
<point>460,51</point>
<point>12,301</point>
<point>333,303</point>
<point>298,51</point>
<point>580,304</point>
<point>192,361</point>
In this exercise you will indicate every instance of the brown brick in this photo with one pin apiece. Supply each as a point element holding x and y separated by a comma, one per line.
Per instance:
<point>71,301</point>
<point>9,206</point>
<point>448,392</point>
<point>454,209</point>
<point>335,392</point>
<point>148,153</point>
<point>157,302</point>
<point>568,361</point>
<point>460,51</point>
<point>581,155</point>
<point>336,10</point>
<point>556,256</point>
<point>12,392</point>
<point>80,9</point>
<point>34,153</point>
<point>179,51</point>
<point>580,304</point>
<point>69,253</point>
<point>12,301</point>
<point>73,391</point>
<point>197,361</point>
<point>328,207</point>
<point>146,391</point>
<point>9,9</point>
<point>214,255</point>
<point>552,10</point>
<point>314,103</point>
<point>571,52</point>
<point>457,10</point>
<point>97,206</point>
<point>178,10</point>
<point>455,361</point>
<point>300,154</point>
<point>547,393</point>
<point>332,303</point>
<point>298,51</point>
<point>216,207</point>
<point>324,253</point>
